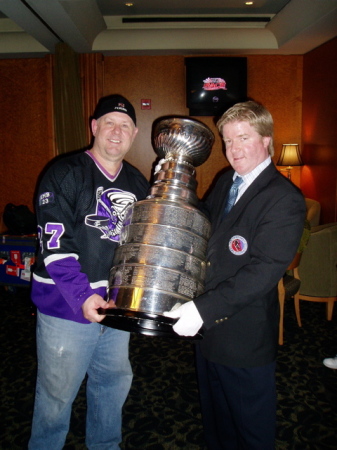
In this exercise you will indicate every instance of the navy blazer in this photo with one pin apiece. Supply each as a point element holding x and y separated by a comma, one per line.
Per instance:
<point>248,252</point>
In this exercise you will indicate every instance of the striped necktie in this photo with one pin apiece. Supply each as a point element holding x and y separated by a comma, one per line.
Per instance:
<point>232,195</point>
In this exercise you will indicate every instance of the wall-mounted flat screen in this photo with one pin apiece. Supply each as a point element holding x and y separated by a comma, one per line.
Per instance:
<point>214,84</point>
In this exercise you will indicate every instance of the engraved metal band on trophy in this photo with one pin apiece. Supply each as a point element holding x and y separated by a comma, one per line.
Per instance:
<point>161,260</point>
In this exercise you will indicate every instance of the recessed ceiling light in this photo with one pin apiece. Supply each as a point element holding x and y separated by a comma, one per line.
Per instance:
<point>249,3</point>
<point>128,4</point>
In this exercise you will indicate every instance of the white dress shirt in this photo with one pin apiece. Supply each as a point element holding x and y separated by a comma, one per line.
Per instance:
<point>250,177</point>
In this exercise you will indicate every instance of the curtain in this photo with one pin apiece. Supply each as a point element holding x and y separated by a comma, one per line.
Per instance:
<point>92,73</point>
<point>70,124</point>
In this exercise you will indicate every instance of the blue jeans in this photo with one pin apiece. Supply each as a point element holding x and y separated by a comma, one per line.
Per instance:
<point>67,351</point>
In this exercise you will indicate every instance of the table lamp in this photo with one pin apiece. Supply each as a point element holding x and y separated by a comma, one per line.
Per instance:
<point>290,156</point>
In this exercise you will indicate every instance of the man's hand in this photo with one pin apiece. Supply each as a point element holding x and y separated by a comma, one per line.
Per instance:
<point>189,322</point>
<point>91,305</point>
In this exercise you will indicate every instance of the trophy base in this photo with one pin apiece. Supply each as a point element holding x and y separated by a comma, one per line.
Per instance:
<point>144,323</point>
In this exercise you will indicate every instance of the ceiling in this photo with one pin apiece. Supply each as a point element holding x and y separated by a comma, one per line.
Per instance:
<point>32,28</point>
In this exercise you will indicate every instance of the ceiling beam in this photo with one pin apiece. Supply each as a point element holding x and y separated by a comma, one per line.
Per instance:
<point>30,24</point>
<point>77,23</point>
<point>305,24</point>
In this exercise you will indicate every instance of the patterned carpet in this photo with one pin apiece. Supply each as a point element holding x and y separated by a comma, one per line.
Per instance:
<point>162,411</point>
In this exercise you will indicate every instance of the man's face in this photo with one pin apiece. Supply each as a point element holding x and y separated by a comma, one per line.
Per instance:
<point>245,148</point>
<point>114,134</point>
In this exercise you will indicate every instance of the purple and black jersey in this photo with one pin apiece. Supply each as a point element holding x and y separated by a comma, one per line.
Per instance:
<point>80,211</point>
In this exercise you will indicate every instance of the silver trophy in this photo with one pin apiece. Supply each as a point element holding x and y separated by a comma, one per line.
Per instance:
<point>161,261</point>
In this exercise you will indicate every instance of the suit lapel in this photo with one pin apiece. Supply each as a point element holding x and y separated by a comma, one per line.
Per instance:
<point>258,184</point>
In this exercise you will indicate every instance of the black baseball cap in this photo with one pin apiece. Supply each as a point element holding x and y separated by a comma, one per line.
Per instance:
<point>114,103</point>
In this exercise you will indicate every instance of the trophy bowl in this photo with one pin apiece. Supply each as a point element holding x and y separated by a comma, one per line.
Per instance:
<point>179,136</point>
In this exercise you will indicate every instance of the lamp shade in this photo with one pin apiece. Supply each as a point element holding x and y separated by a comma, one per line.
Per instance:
<point>290,156</point>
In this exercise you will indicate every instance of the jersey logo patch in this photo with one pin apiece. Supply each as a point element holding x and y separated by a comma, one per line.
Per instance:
<point>238,245</point>
<point>110,212</point>
<point>47,198</point>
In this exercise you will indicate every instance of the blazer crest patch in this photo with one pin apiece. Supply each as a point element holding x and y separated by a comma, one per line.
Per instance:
<point>238,245</point>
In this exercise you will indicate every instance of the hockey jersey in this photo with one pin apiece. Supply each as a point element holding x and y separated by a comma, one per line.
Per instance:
<point>80,209</point>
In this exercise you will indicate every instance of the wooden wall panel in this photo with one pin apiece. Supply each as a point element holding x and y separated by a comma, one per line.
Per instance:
<point>276,81</point>
<point>158,78</point>
<point>26,99</point>
<point>319,177</point>
<point>26,127</point>
<point>27,130</point>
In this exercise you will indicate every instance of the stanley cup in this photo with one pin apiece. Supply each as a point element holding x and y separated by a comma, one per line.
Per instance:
<point>160,263</point>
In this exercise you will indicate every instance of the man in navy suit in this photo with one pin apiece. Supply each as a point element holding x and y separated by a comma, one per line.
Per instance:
<point>248,252</point>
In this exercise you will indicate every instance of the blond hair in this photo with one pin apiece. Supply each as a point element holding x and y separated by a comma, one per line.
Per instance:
<point>255,114</point>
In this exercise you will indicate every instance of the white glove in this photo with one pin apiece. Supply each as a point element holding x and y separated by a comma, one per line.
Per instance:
<point>189,322</point>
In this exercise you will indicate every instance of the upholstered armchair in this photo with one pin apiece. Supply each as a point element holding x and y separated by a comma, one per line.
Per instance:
<point>289,284</point>
<point>318,269</point>
<point>288,287</point>
<point>313,211</point>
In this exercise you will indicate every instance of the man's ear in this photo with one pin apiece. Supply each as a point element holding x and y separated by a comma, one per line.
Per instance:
<point>266,141</point>
<point>94,126</point>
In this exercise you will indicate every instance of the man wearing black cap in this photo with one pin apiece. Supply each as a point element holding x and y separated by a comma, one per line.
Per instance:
<point>81,203</point>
